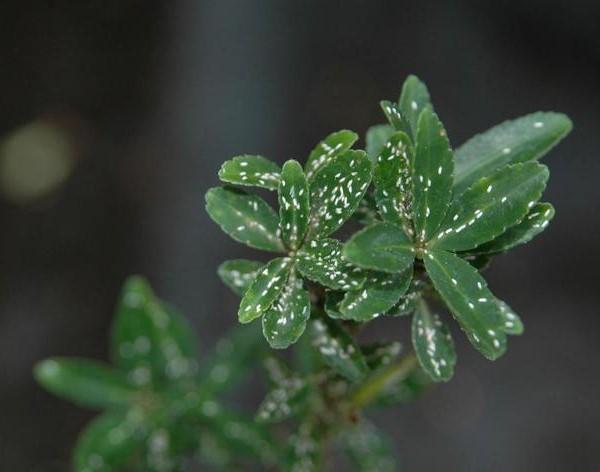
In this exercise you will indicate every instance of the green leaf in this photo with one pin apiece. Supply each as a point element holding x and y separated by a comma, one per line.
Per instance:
<point>413,99</point>
<point>246,218</point>
<point>395,117</point>
<point>321,261</point>
<point>150,341</point>
<point>473,305</point>
<point>491,205</point>
<point>285,321</point>
<point>366,212</point>
<point>332,300</point>
<point>368,449</point>
<point>294,206</point>
<point>512,324</point>
<point>84,382</point>
<point>227,366</point>
<point>238,274</point>
<point>408,303</point>
<point>336,191</point>
<point>107,444</point>
<point>392,179</point>
<point>379,355</point>
<point>524,139</point>
<point>265,289</point>
<point>433,344</point>
<point>382,246</point>
<point>533,224</point>
<point>333,146</point>
<point>160,453</point>
<point>432,175</point>
<point>306,447</point>
<point>287,395</point>
<point>338,350</point>
<point>379,293</point>
<point>255,171</point>
<point>376,138</point>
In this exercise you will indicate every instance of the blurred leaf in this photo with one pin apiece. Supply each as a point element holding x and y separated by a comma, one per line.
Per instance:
<point>250,170</point>
<point>392,179</point>
<point>368,449</point>
<point>107,444</point>
<point>366,213</point>
<point>283,401</point>
<point>433,344</point>
<point>336,191</point>
<point>265,289</point>
<point>285,321</point>
<point>523,139</point>
<point>246,218</point>
<point>228,365</point>
<point>376,138</point>
<point>150,341</point>
<point>466,294</point>
<point>238,274</point>
<point>432,175</point>
<point>160,456</point>
<point>381,354</point>
<point>379,293</point>
<point>382,246</point>
<point>533,224</point>
<point>338,350</point>
<point>491,205</point>
<point>84,382</point>
<point>294,206</point>
<point>331,147</point>
<point>321,261</point>
<point>413,99</point>
<point>306,448</point>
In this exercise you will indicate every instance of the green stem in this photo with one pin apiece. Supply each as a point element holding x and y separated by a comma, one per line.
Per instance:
<point>393,373</point>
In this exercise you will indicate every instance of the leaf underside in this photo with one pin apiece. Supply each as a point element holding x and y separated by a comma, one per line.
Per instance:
<point>251,170</point>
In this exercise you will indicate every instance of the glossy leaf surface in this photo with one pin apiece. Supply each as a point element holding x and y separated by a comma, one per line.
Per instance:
<point>251,170</point>
<point>265,289</point>
<point>466,294</point>
<point>332,146</point>
<point>523,139</point>
<point>491,205</point>
<point>432,175</point>
<point>413,99</point>
<point>246,218</point>
<point>375,139</point>
<point>382,246</point>
<point>336,191</point>
<point>294,206</point>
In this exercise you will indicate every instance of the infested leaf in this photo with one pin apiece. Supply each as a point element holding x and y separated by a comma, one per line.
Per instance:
<point>151,342</point>
<point>107,443</point>
<point>533,224</point>
<point>336,191</point>
<point>85,382</point>
<point>306,447</point>
<point>523,139</point>
<point>333,146</point>
<point>380,354</point>
<point>395,117</point>
<point>238,274</point>
<point>473,305</point>
<point>408,302</point>
<point>321,261</point>
<point>368,449</point>
<point>251,170</point>
<point>338,350</point>
<point>392,179</point>
<point>379,293</point>
<point>285,321</point>
<point>433,344</point>
<point>432,175</point>
<point>294,205</point>
<point>366,213</point>
<point>246,218</point>
<point>413,100</point>
<point>382,246</point>
<point>491,205</point>
<point>375,139</point>
<point>265,289</point>
<point>512,324</point>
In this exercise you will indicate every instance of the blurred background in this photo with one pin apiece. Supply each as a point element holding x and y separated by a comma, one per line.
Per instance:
<point>114,119</point>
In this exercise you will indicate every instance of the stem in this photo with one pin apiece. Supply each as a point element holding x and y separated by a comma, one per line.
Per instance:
<point>369,391</point>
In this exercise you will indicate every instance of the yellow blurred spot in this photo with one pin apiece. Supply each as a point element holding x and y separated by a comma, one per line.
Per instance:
<point>35,160</point>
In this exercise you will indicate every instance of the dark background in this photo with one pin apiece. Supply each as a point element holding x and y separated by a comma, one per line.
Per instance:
<point>140,101</point>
